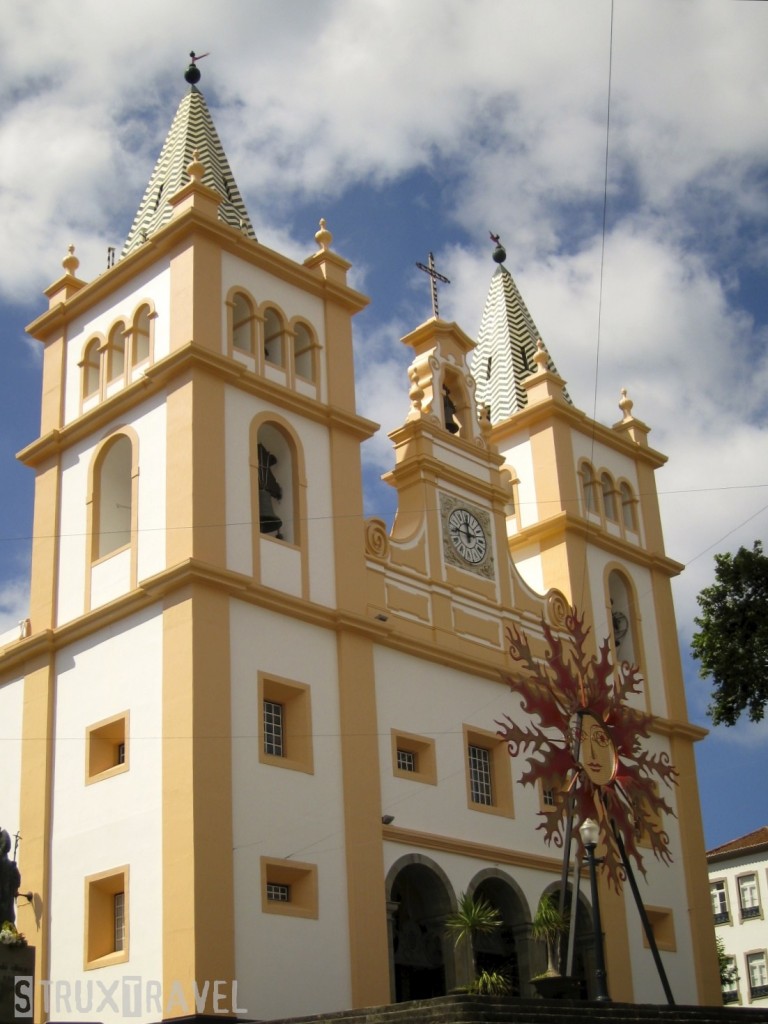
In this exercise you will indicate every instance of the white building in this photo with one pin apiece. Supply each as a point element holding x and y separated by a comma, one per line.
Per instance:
<point>257,734</point>
<point>738,882</point>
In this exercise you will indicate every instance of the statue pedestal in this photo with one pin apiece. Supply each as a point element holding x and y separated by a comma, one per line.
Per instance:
<point>17,976</point>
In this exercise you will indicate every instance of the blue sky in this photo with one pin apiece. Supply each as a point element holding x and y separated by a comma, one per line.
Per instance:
<point>421,126</point>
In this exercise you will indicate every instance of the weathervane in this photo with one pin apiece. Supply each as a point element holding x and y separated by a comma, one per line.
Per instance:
<point>429,268</point>
<point>192,74</point>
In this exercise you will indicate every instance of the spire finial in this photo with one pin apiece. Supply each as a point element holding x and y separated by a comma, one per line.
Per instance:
<point>625,404</point>
<point>323,237</point>
<point>434,277</point>
<point>499,253</point>
<point>541,357</point>
<point>192,74</point>
<point>70,261</point>
<point>197,168</point>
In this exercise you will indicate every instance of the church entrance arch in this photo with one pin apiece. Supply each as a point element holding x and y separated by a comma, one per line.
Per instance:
<point>420,897</point>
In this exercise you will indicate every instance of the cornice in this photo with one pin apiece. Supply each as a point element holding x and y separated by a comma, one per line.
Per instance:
<point>183,360</point>
<point>167,242</point>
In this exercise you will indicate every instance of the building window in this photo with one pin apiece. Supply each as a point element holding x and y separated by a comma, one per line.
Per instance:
<point>304,352</point>
<point>91,368</point>
<point>140,348</point>
<point>749,901</point>
<point>243,323</point>
<point>288,887</point>
<point>273,728</point>
<point>413,757</point>
<point>609,497</point>
<point>719,894</point>
<point>758,975</point>
<point>730,987</point>
<point>106,918</point>
<point>106,748</point>
<point>489,773</point>
<point>285,724</point>
<point>274,337</point>
<point>547,797</point>
<point>113,497</point>
<point>480,784</point>
<point>628,507</point>
<point>589,489</point>
<point>662,925</point>
<point>116,352</point>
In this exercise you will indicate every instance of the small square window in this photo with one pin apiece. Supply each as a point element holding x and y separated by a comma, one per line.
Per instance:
<point>285,724</point>
<point>106,748</point>
<point>662,924</point>
<point>288,887</point>
<point>106,918</point>
<point>489,773</point>
<point>413,757</point>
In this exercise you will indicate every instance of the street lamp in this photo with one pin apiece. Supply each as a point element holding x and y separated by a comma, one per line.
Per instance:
<point>590,833</point>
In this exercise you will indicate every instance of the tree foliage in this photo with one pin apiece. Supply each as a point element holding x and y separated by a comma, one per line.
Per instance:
<point>732,644</point>
<point>728,973</point>
<point>472,917</point>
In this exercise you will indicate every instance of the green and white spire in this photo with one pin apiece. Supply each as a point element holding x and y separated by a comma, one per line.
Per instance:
<point>506,346</point>
<point>192,130</point>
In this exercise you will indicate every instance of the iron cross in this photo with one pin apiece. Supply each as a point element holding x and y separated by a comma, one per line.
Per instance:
<point>434,278</point>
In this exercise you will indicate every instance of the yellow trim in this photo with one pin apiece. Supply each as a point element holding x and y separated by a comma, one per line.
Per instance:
<point>295,699</point>
<point>101,742</point>
<point>99,918</point>
<point>301,879</point>
<point>423,749</point>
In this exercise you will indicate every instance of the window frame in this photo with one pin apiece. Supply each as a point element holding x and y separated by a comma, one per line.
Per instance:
<point>100,918</point>
<point>295,699</point>
<point>751,913</point>
<point>301,880</point>
<point>759,991</point>
<point>424,750</point>
<point>721,916</point>
<point>103,740</point>
<point>500,767</point>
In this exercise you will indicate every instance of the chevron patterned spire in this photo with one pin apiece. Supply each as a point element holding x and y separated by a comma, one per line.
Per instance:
<point>506,346</point>
<point>192,129</point>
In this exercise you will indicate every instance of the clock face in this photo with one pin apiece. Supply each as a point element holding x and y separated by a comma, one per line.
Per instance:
<point>467,535</point>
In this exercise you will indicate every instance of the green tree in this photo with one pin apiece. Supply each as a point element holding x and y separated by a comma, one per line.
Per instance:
<point>732,642</point>
<point>549,926</point>
<point>473,917</point>
<point>728,973</point>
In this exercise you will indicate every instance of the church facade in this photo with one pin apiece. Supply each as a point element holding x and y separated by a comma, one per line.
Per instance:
<point>259,734</point>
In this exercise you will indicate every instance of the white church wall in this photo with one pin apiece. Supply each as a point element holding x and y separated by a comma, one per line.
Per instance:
<point>287,814</point>
<point>153,286</point>
<point>116,821</point>
<point>11,721</point>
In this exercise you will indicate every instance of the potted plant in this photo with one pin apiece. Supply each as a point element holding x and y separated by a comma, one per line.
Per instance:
<point>549,925</point>
<point>474,917</point>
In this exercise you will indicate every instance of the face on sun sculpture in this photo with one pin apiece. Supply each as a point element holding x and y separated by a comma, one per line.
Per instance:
<point>584,743</point>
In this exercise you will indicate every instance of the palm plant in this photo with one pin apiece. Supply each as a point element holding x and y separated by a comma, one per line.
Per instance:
<point>549,925</point>
<point>472,917</point>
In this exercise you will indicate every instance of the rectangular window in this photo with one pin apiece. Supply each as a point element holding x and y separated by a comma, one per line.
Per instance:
<point>273,729</point>
<point>488,772</point>
<point>279,893</point>
<point>106,918</point>
<point>285,724</point>
<point>548,797</point>
<point>406,760</point>
<point>106,748</point>
<point>748,898</point>
<point>413,757</point>
<point>662,924</point>
<point>758,975</point>
<point>288,887</point>
<point>719,901</point>
<point>480,785</point>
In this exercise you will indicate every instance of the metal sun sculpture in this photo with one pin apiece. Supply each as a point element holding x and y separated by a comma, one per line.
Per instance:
<point>584,744</point>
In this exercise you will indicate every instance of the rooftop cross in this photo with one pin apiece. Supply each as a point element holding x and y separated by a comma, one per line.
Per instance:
<point>434,278</point>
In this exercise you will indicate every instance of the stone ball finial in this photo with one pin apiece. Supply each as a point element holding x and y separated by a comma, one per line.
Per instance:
<point>499,253</point>
<point>625,404</point>
<point>70,261</point>
<point>541,358</point>
<point>192,74</point>
<point>323,237</point>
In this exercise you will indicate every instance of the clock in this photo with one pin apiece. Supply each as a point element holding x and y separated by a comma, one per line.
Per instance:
<point>467,535</point>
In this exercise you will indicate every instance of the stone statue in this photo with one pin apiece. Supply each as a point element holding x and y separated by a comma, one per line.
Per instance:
<point>10,880</point>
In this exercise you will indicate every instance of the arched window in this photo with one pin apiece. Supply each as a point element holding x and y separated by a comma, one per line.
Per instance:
<point>113,497</point>
<point>274,465</point>
<point>274,336</point>
<point>243,324</point>
<point>303,352</point>
<point>623,618</point>
<point>140,349</point>
<point>609,497</point>
<point>90,364</point>
<point>116,352</point>
<point>589,488</point>
<point>628,507</point>
<point>454,406</point>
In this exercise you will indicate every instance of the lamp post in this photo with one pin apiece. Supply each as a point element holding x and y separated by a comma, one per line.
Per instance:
<point>590,833</point>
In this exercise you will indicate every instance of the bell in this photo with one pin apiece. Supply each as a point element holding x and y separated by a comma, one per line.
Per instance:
<point>449,411</point>
<point>269,488</point>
